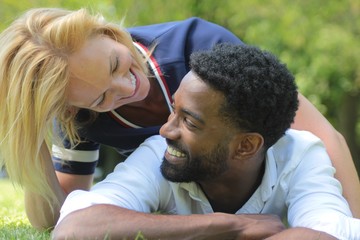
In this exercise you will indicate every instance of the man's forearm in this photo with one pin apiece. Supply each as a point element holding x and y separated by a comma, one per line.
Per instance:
<point>301,234</point>
<point>99,221</point>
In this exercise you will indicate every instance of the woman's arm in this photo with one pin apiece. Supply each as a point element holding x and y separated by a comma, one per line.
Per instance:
<point>41,214</point>
<point>310,119</point>
<point>71,182</point>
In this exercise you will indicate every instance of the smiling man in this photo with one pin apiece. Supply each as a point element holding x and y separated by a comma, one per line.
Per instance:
<point>231,168</point>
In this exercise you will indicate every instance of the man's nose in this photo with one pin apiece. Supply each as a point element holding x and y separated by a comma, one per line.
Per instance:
<point>170,129</point>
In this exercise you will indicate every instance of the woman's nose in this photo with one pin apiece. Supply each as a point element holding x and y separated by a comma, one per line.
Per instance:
<point>122,87</point>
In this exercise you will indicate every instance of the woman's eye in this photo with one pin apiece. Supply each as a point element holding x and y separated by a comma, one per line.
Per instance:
<point>101,101</point>
<point>116,65</point>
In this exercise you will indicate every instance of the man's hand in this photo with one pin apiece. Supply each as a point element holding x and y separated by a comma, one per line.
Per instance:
<point>257,226</point>
<point>301,233</point>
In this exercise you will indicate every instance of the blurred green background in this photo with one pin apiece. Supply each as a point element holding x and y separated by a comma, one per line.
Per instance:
<point>318,40</point>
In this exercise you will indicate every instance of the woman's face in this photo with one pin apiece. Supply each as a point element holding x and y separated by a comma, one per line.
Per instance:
<point>104,76</point>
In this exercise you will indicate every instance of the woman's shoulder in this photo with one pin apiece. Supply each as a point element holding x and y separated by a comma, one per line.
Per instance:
<point>189,28</point>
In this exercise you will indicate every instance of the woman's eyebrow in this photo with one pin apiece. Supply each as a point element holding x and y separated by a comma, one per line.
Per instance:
<point>110,62</point>
<point>113,59</point>
<point>111,66</point>
<point>102,96</point>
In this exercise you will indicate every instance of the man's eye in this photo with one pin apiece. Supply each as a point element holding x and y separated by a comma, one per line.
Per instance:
<point>189,123</point>
<point>173,108</point>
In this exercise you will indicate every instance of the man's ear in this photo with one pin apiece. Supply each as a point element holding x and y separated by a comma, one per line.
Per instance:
<point>248,145</point>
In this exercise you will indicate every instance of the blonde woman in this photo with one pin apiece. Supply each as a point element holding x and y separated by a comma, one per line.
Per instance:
<point>100,84</point>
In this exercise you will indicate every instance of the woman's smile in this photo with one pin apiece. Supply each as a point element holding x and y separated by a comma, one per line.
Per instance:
<point>105,76</point>
<point>135,83</point>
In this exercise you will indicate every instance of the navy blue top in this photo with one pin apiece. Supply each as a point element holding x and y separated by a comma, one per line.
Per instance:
<point>175,41</point>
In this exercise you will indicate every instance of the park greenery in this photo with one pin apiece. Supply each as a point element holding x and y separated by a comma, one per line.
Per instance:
<point>318,40</point>
<point>14,225</point>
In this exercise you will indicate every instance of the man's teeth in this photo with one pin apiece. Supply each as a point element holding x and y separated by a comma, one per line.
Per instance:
<point>174,152</point>
<point>133,79</point>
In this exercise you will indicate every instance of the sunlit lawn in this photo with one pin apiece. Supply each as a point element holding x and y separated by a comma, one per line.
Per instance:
<point>14,224</point>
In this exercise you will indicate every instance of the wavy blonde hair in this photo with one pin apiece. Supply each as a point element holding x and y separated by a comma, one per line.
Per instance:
<point>34,75</point>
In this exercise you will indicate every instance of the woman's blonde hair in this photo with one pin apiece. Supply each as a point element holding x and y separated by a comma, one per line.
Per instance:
<point>34,75</point>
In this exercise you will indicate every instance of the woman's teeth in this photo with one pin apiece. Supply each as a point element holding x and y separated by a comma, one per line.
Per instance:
<point>174,152</point>
<point>133,79</point>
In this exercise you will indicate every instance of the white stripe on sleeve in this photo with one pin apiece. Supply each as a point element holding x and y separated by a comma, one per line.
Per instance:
<point>75,155</point>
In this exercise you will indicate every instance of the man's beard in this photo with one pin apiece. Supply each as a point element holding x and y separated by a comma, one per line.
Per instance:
<point>199,168</point>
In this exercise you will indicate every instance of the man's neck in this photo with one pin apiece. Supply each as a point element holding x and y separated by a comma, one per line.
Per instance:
<point>229,193</point>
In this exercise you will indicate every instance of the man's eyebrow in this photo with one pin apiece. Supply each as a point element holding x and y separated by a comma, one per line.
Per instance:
<point>194,115</point>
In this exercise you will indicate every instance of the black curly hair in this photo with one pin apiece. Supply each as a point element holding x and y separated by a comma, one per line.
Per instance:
<point>260,92</point>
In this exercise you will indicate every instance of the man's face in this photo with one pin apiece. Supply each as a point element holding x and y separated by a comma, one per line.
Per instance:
<point>198,139</point>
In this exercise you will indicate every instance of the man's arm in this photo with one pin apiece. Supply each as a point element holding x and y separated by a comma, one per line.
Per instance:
<point>301,234</point>
<point>314,196</point>
<point>99,221</point>
<point>310,119</point>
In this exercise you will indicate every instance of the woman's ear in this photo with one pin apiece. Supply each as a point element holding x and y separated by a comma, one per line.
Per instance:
<point>248,145</point>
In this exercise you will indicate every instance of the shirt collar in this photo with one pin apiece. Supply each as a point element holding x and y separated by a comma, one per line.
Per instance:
<point>257,201</point>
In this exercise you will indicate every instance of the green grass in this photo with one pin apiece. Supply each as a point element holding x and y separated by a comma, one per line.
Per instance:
<point>14,224</point>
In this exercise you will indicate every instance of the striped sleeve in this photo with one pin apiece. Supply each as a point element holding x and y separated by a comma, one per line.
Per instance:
<point>81,160</point>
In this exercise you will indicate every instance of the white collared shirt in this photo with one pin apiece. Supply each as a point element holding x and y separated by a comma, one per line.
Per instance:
<point>298,185</point>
